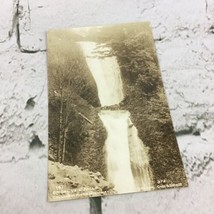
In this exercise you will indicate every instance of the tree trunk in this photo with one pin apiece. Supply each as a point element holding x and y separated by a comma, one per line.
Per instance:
<point>60,145</point>
<point>64,143</point>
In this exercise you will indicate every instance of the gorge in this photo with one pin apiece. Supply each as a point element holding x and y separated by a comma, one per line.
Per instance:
<point>127,158</point>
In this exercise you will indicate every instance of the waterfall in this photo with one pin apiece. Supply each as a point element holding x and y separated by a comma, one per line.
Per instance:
<point>139,160</point>
<point>117,147</point>
<point>126,156</point>
<point>106,73</point>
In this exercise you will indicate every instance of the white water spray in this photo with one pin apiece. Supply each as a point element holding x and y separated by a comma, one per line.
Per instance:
<point>117,147</point>
<point>139,160</point>
<point>126,156</point>
<point>106,73</point>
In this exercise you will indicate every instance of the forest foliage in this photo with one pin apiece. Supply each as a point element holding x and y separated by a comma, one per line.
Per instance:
<point>72,90</point>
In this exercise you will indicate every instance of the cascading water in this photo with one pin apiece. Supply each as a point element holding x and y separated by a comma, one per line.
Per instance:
<point>126,156</point>
<point>117,147</point>
<point>106,73</point>
<point>139,160</point>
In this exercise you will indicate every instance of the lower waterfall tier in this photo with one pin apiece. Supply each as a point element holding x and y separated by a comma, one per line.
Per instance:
<point>126,156</point>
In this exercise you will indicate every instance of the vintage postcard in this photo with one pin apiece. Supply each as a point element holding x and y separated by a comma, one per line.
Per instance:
<point>110,130</point>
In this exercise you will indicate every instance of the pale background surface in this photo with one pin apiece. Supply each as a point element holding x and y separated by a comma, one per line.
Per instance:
<point>184,33</point>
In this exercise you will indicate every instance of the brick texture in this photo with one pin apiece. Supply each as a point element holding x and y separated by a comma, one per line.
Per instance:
<point>184,36</point>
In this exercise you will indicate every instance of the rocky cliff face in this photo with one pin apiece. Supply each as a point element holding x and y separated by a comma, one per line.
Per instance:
<point>183,32</point>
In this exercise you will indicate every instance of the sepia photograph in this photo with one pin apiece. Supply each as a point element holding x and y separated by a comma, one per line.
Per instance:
<point>110,129</point>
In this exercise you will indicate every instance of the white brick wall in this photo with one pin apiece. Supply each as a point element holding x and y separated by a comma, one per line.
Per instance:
<point>185,45</point>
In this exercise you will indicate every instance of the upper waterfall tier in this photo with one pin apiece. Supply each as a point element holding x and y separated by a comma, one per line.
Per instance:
<point>106,73</point>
